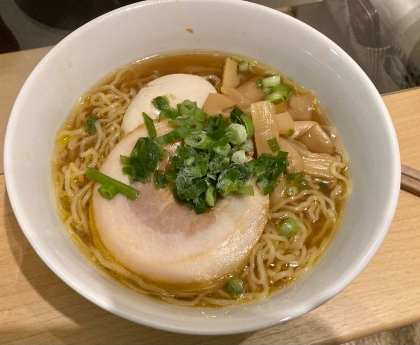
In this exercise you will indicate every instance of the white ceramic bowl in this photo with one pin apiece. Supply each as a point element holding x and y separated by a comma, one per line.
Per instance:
<point>152,27</point>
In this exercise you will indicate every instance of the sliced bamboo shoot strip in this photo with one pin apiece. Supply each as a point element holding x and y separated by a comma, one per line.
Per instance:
<point>295,160</point>
<point>240,99</point>
<point>265,125</point>
<point>251,91</point>
<point>285,123</point>
<point>230,74</point>
<point>216,103</point>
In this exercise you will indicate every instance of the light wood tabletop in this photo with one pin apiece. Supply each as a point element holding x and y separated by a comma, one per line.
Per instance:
<point>36,307</point>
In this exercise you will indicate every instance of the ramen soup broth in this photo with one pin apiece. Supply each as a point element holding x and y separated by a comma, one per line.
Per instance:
<point>310,202</point>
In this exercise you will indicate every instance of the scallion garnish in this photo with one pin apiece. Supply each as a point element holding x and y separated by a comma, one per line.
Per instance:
<point>200,115</point>
<point>160,179</point>
<point>296,180</point>
<point>239,157</point>
<point>142,161</point>
<point>173,136</point>
<point>238,116</point>
<point>245,189</point>
<point>187,107</point>
<point>278,94</point>
<point>161,102</point>
<point>166,111</point>
<point>292,190</point>
<point>210,196</point>
<point>274,144</point>
<point>169,113</point>
<point>275,97</point>
<point>237,133</point>
<point>108,191</point>
<point>199,140</point>
<point>269,82</point>
<point>268,168</point>
<point>122,188</point>
<point>235,287</point>
<point>214,159</point>
<point>288,227</point>
<point>243,66</point>
<point>150,126</point>
<point>90,124</point>
<point>323,185</point>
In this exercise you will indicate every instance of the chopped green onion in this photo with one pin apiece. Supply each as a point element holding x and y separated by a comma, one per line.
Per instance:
<point>163,153</point>
<point>238,116</point>
<point>161,102</point>
<point>295,180</point>
<point>199,140</point>
<point>290,132</point>
<point>247,145</point>
<point>193,191</point>
<point>199,205</point>
<point>200,115</point>
<point>143,160</point>
<point>282,88</point>
<point>190,160</point>
<point>274,144</point>
<point>243,66</point>
<point>90,124</point>
<point>296,176</point>
<point>275,97</point>
<point>160,179</point>
<point>174,135</point>
<point>225,186</point>
<point>232,178</point>
<point>268,168</point>
<point>212,160</point>
<point>239,157</point>
<point>168,113</point>
<point>248,125</point>
<point>122,188</point>
<point>237,133</point>
<point>211,176</point>
<point>288,227</point>
<point>150,126</point>
<point>124,160</point>
<point>211,196</point>
<point>222,150</point>
<point>267,186</point>
<point>292,190</point>
<point>187,108</point>
<point>270,81</point>
<point>235,287</point>
<point>246,189</point>
<point>108,191</point>
<point>278,94</point>
<point>323,185</point>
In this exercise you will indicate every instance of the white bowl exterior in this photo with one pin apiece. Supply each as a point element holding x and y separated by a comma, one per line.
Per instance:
<point>242,28</point>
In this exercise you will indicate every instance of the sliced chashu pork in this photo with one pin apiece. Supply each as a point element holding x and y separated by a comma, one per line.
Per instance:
<point>163,240</point>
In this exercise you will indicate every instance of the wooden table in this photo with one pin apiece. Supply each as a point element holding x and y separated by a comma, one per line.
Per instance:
<point>36,307</point>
